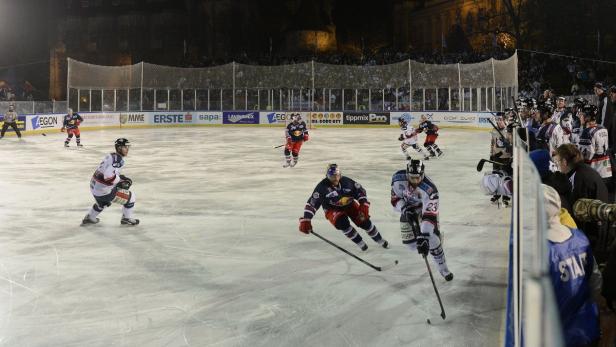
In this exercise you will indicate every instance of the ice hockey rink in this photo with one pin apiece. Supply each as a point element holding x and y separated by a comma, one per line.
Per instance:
<point>218,259</point>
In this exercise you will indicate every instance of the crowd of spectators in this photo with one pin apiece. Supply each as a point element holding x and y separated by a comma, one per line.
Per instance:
<point>23,91</point>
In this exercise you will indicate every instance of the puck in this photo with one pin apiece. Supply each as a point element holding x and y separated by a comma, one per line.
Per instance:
<point>44,134</point>
<point>396,262</point>
<point>428,321</point>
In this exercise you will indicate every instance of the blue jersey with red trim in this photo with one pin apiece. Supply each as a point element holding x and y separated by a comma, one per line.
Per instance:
<point>334,197</point>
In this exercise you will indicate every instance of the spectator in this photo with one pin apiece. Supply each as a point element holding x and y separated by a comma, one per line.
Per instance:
<point>575,276</point>
<point>585,182</point>
<point>599,90</point>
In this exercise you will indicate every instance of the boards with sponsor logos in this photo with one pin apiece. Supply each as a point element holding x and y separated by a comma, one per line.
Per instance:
<point>453,119</point>
<point>264,118</point>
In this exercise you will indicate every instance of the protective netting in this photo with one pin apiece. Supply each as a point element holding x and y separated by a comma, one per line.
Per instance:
<point>305,86</point>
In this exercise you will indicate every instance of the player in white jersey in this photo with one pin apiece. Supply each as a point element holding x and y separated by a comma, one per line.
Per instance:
<point>109,186</point>
<point>561,133</point>
<point>561,109</point>
<point>416,198</point>
<point>498,183</point>
<point>594,143</point>
<point>408,137</point>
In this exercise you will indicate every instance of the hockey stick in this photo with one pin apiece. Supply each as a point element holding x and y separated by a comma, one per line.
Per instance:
<point>377,268</point>
<point>280,145</point>
<point>483,161</point>
<point>413,219</point>
<point>438,296</point>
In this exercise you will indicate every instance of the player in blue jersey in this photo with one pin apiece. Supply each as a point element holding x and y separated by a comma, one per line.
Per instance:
<point>575,276</point>
<point>415,197</point>
<point>342,199</point>
<point>71,125</point>
<point>296,134</point>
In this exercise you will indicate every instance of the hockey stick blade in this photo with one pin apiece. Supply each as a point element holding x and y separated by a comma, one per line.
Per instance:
<point>279,146</point>
<point>377,268</point>
<point>480,165</point>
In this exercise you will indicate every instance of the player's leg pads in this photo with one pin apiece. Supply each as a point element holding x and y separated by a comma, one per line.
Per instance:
<point>122,196</point>
<point>352,234</point>
<point>408,237</point>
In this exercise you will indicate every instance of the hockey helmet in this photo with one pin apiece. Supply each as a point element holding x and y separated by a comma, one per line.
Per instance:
<point>402,122</point>
<point>415,171</point>
<point>566,121</point>
<point>296,117</point>
<point>590,112</point>
<point>332,171</point>
<point>122,142</point>
<point>580,102</point>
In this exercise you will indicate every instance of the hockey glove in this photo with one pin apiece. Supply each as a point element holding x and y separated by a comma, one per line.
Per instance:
<point>423,246</point>
<point>305,225</point>
<point>364,208</point>
<point>401,137</point>
<point>306,137</point>
<point>125,182</point>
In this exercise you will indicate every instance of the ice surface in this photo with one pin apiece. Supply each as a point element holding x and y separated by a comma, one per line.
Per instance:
<point>218,260</point>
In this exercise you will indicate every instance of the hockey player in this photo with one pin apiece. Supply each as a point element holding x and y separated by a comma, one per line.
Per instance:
<point>10,119</point>
<point>109,186</point>
<point>593,143</point>
<point>545,130</point>
<point>561,133</point>
<point>498,184</point>
<point>431,135</point>
<point>71,125</point>
<point>408,137</point>
<point>296,133</point>
<point>416,198</point>
<point>342,199</point>
<point>500,148</point>
<point>561,108</point>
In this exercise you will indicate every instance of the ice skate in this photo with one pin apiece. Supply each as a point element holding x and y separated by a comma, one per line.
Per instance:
<point>129,221</point>
<point>79,145</point>
<point>287,164</point>
<point>384,243</point>
<point>86,220</point>
<point>363,246</point>
<point>293,163</point>
<point>66,144</point>
<point>444,271</point>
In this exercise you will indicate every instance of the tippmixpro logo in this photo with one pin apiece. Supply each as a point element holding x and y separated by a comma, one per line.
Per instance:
<point>377,118</point>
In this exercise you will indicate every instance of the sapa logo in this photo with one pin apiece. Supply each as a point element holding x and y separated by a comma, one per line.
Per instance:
<point>209,117</point>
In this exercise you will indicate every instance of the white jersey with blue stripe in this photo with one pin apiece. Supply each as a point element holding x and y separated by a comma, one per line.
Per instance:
<point>424,196</point>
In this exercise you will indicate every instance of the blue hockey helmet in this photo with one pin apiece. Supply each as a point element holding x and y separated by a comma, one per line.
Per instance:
<point>332,171</point>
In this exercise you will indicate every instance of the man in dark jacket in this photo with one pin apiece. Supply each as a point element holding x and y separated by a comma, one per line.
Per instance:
<point>586,183</point>
<point>605,106</point>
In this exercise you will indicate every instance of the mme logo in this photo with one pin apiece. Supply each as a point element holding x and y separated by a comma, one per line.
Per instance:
<point>44,122</point>
<point>132,118</point>
<point>374,118</point>
<point>276,117</point>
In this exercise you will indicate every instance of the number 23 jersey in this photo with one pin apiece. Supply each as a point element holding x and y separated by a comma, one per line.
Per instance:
<point>424,197</point>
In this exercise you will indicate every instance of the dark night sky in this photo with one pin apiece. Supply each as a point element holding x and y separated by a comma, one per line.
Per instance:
<point>23,31</point>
